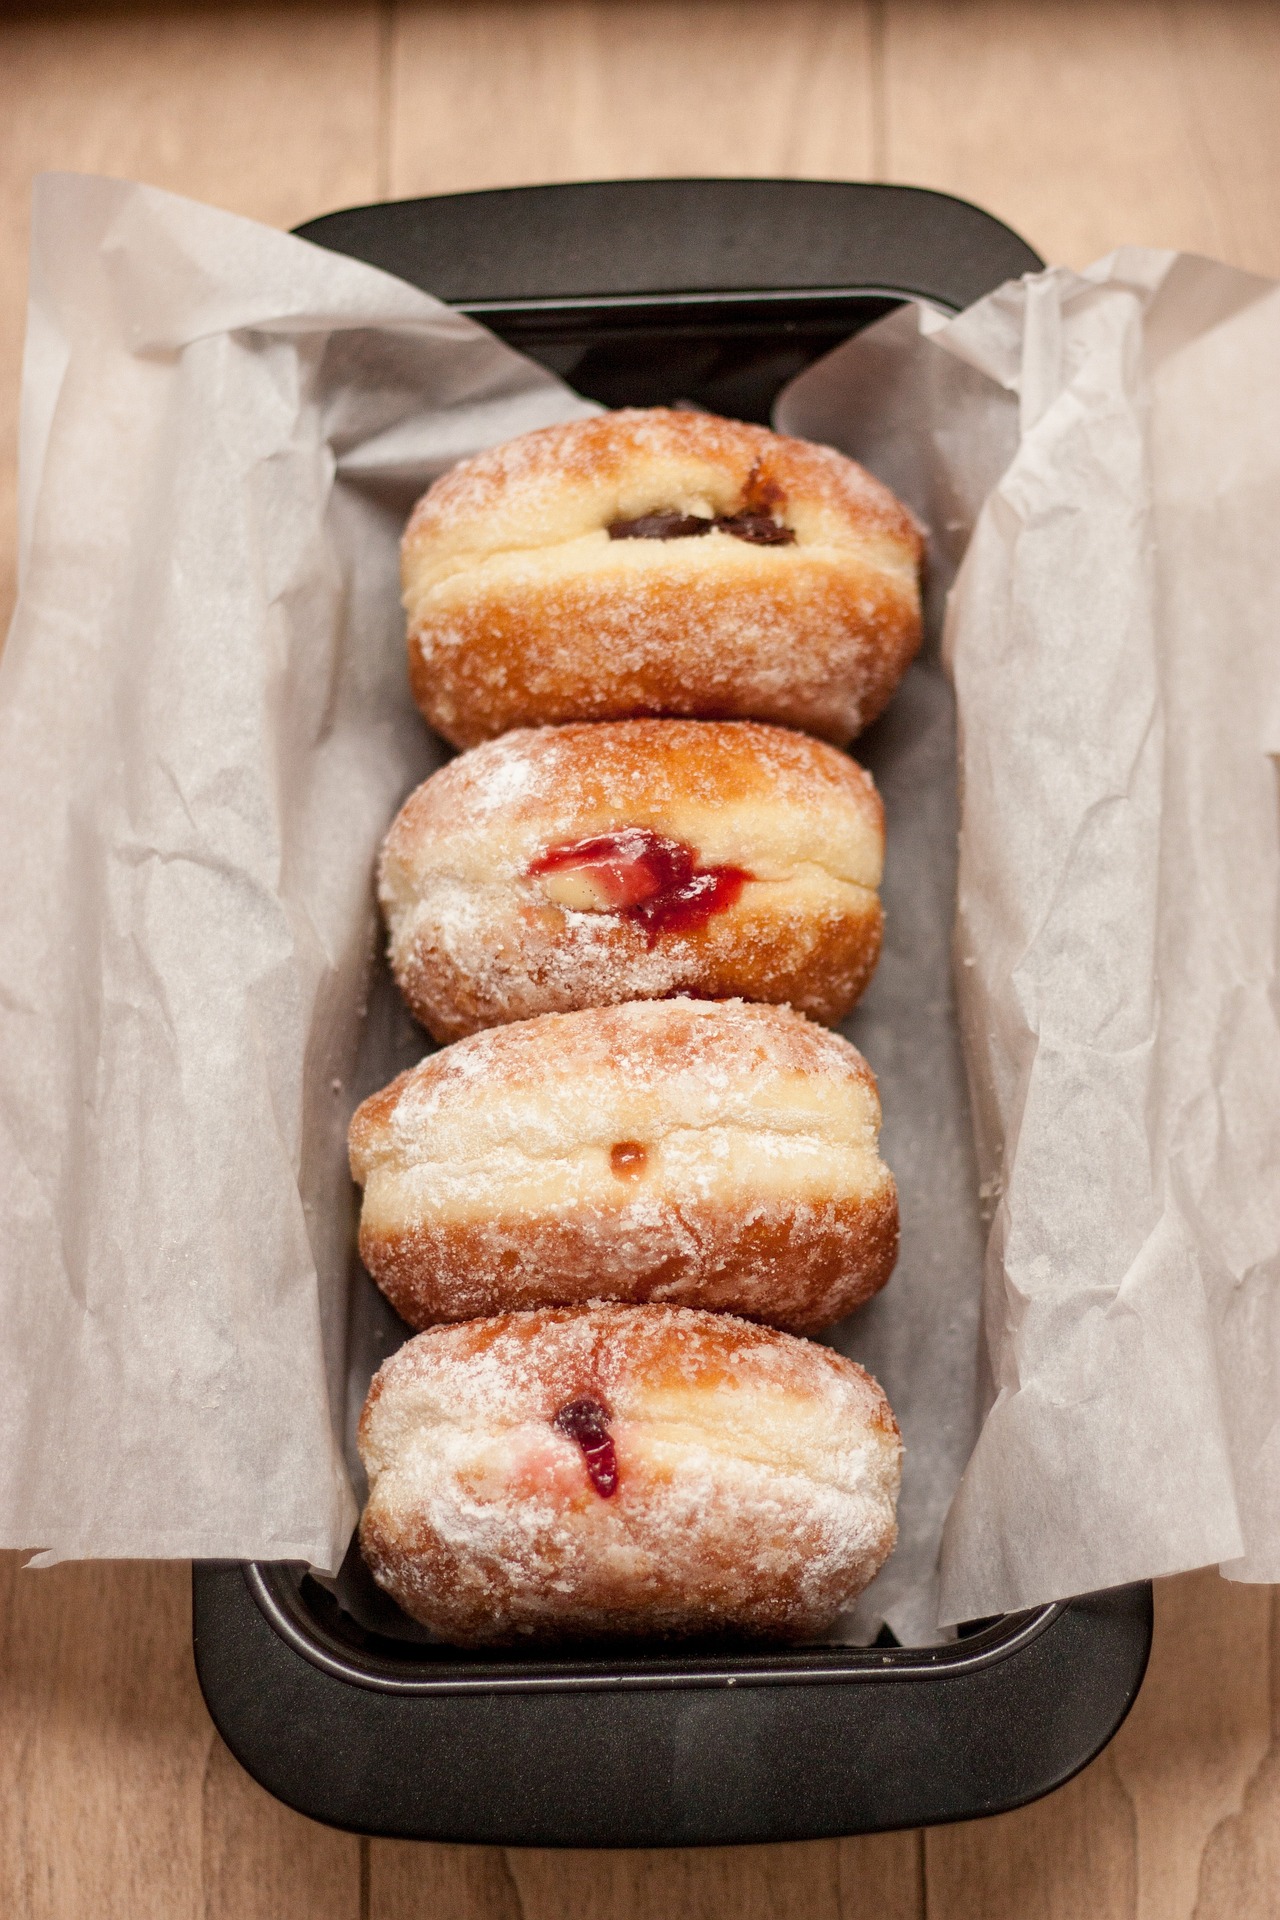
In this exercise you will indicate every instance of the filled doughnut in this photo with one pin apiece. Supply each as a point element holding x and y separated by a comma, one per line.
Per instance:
<point>702,1153</point>
<point>625,1470</point>
<point>577,866</point>
<point>658,562</point>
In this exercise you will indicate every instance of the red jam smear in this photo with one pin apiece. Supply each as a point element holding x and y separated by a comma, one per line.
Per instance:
<point>587,1423</point>
<point>648,878</point>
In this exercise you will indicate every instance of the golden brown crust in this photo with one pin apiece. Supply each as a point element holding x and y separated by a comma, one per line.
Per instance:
<point>820,965</point>
<point>754,1489</point>
<point>713,1155</point>
<point>798,1267</point>
<point>497,499</point>
<point>477,939</point>
<point>523,612</point>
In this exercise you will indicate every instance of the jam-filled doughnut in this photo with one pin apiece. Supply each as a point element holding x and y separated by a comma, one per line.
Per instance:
<point>576,866</point>
<point>703,1153</point>
<point>625,1470</point>
<point>658,562</point>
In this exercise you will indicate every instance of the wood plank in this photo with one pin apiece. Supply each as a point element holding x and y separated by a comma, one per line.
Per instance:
<point>1070,1857</point>
<point>502,94</point>
<point>116,1795</point>
<point>882,1877</point>
<point>103,1743</point>
<point>1128,1837</point>
<point>1239,1877</point>
<point>1228,55</point>
<point>877,1878</point>
<point>271,112</point>
<point>1195,1743</point>
<point>411,1881</point>
<point>1070,122</point>
<point>260,1859</point>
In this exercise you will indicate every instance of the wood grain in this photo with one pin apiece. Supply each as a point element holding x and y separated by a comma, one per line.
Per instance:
<point>269,111</point>
<point>501,95</point>
<point>1127,1838</point>
<point>1070,1857</point>
<point>116,1795</point>
<point>259,1858</point>
<point>877,1878</point>
<point>102,1743</point>
<point>414,1882</point>
<point>1074,124</point>
<point>1239,1874</point>
<point>1228,57</point>
<point>1198,1735</point>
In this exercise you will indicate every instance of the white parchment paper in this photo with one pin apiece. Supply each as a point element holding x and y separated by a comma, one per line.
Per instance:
<point>204,728</point>
<point>920,1337</point>
<point>1114,634</point>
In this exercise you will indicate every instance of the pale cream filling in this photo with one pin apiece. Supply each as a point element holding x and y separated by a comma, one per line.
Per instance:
<point>657,1432</point>
<point>721,1166</point>
<point>794,856</point>
<point>436,586</point>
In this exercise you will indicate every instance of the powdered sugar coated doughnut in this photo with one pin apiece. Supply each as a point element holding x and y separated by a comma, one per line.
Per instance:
<point>709,1154</point>
<point>565,867</point>
<point>658,562</point>
<point>625,1470</point>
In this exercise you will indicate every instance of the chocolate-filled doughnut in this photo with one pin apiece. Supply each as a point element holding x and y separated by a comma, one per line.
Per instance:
<point>707,1154</point>
<point>621,1471</point>
<point>658,562</point>
<point>564,867</point>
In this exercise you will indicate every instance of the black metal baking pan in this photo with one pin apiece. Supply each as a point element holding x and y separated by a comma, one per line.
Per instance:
<point>714,292</point>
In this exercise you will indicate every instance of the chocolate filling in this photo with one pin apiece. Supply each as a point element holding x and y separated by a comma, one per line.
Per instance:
<point>758,529</point>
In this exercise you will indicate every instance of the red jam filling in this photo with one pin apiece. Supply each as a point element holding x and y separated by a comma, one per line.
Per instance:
<point>628,1159</point>
<point>648,878</point>
<point>587,1422</point>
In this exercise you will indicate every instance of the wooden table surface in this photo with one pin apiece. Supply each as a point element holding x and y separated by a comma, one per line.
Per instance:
<point>1083,124</point>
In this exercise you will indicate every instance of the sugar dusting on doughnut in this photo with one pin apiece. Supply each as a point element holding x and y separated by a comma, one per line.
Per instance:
<point>524,610</point>
<point>613,462</point>
<point>481,933</point>
<point>711,1154</point>
<point>743,1480</point>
